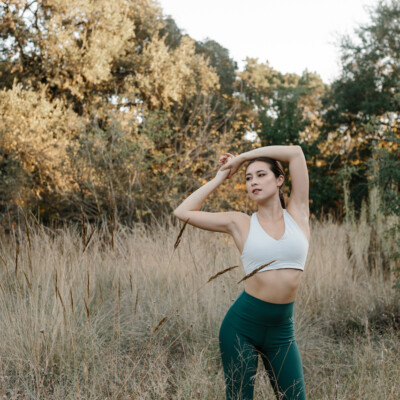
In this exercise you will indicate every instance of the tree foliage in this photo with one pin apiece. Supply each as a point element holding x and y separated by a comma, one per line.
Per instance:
<point>286,109</point>
<point>362,105</point>
<point>105,106</point>
<point>362,116</point>
<point>109,105</point>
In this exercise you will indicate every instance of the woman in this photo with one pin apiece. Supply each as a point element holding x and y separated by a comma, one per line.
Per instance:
<point>260,321</point>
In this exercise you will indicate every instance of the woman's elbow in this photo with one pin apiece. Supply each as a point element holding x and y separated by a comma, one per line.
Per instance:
<point>178,213</point>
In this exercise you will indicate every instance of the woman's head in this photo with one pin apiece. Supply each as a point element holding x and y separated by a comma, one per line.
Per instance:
<point>264,176</point>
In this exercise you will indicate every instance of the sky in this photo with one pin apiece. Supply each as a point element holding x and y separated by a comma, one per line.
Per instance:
<point>291,35</point>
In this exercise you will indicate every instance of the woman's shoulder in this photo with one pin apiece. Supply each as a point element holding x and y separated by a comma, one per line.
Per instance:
<point>239,215</point>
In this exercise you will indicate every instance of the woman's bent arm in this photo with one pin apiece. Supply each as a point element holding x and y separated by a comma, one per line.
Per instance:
<point>218,222</point>
<point>280,153</point>
<point>196,199</point>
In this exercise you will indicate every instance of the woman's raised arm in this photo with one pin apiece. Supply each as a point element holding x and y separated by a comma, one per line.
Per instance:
<point>190,207</point>
<point>280,153</point>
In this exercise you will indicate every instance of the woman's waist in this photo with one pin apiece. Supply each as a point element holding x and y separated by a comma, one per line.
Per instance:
<point>276,286</point>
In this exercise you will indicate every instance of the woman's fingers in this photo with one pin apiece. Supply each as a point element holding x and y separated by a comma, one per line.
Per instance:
<point>226,155</point>
<point>224,159</point>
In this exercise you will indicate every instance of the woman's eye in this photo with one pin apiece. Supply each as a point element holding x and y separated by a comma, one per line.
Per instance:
<point>261,174</point>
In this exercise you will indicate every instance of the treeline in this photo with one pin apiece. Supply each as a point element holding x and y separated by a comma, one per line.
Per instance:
<point>108,108</point>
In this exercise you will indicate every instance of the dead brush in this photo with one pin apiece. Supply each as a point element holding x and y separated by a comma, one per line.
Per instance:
<point>176,244</point>
<point>131,369</point>
<point>177,307</point>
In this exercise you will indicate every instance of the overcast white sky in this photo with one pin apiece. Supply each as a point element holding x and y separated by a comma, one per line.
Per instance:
<point>292,35</point>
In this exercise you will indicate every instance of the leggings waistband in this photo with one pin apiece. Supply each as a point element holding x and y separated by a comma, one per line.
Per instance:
<point>262,312</point>
<point>263,303</point>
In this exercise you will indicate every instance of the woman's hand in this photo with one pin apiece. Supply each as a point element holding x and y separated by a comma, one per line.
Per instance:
<point>223,174</point>
<point>231,163</point>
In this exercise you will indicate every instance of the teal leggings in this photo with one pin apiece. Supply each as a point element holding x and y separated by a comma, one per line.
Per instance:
<point>252,327</point>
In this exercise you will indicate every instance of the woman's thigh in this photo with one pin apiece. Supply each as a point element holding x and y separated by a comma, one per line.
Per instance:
<point>239,360</point>
<point>285,371</point>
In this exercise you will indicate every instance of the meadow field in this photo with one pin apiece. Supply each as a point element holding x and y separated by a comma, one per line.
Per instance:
<point>112,113</point>
<point>126,313</point>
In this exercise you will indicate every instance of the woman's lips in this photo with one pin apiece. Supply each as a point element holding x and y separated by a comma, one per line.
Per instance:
<point>256,190</point>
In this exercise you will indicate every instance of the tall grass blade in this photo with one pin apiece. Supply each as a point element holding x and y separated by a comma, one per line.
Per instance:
<point>255,271</point>
<point>178,239</point>
<point>83,228</point>
<point>71,297</point>
<point>29,238</point>
<point>89,239</point>
<point>27,281</point>
<point>136,302</point>
<point>222,272</point>
<point>159,324</point>
<point>87,284</point>
<point>16,258</point>
<point>87,310</point>
<point>61,300</point>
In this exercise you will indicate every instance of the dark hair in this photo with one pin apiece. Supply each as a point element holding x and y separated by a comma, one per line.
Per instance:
<point>276,167</point>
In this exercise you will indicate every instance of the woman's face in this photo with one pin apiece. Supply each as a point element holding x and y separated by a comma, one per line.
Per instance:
<point>261,182</point>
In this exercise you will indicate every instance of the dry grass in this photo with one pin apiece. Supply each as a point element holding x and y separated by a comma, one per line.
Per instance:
<point>125,315</point>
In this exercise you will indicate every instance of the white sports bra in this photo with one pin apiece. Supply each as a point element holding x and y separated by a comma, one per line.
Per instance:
<point>290,250</point>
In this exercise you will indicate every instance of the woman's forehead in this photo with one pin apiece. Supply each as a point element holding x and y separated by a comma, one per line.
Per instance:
<point>256,166</point>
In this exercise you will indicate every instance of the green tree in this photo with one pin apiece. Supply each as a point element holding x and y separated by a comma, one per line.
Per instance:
<point>225,66</point>
<point>287,109</point>
<point>361,122</point>
<point>362,105</point>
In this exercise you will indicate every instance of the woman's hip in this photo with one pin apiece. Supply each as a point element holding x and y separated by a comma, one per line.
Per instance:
<point>259,321</point>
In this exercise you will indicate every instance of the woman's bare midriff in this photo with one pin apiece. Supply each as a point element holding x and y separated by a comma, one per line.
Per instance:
<point>275,286</point>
